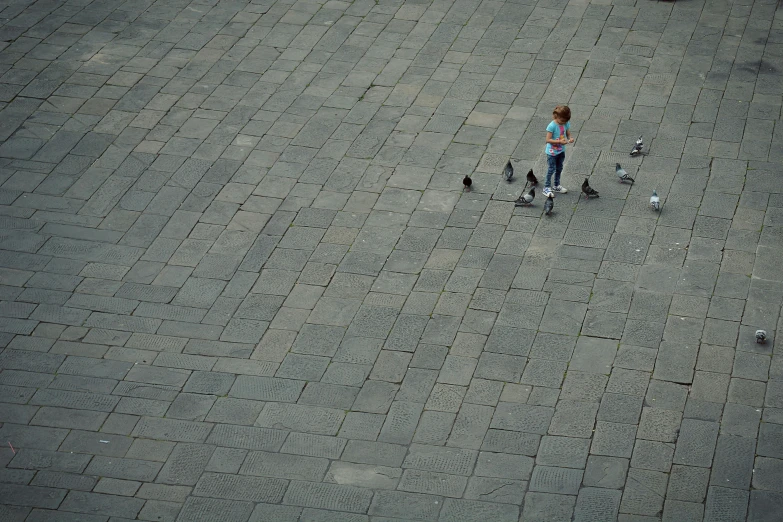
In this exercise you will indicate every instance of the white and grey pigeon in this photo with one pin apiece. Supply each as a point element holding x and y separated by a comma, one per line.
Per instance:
<point>527,198</point>
<point>637,148</point>
<point>622,174</point>
<point>508,172</point>
<point>761,336</point>
<point>655,201</point>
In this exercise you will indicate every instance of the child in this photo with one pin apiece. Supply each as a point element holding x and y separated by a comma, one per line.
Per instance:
<point>558,133</point>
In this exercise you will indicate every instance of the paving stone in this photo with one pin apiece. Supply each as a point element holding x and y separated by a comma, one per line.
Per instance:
<point>328,496</point>
<point>726,504</point>
<point>500,367</point>
<point>733,463</point>
<point>284,466</point>
<point>562,452</point>
<point>644,492</point>
<point>410,506</point>
<point>605,472</point>
<point>503,466</point>
<point>769,441</point>
<point>107,505</point>
<point>659,424</point>
<point>696,443</point>
<point>522,417</point>
<point>432,483</point>
<point>555,480</point>
<point>666,395</point>
<point>766,473</point>
<point>200,507</point>
<point>688,483</point>
<point>574,419</point>
<point>582,386</point>
<point>740,420</point>
<point>540,507</point>
<point>614,440</point>
<point>597,504</point>
<point>764,505</point>
<point>186,464</point>
<point>457,509</point>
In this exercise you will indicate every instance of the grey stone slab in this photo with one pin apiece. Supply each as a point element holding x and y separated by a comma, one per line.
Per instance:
<point>726,504</point>
<point>308,419</point>
<point>596,504</point>
<point>427,482</point>
<point>328,496</point>
<point>644,492</point>
<point>169,429</point>
<point>459,509</point>
<point>574,419</point>
<point>766,473</point>
<point>540,507</point>
<point>764,505</point>
<point>441,460</point>
<point>522,418</point>
<point>614,440</point>
<point>206,508</point>
<point>563,452</point>
<point>403,505</point>
<point>556,480</point>
<point>278,465</point>
<point>605,472</point>
<point>502,465</point>
<point>696,443</point>
<point>769,442</point>
<point>593,355</point>
<point>500,367</point>
<point>659,424</point>
<point>688,483</point>
<point>733,463</point>
<point>504,491</point>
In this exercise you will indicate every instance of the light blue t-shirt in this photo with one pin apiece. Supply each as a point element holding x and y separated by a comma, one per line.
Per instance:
<point>557,130</point>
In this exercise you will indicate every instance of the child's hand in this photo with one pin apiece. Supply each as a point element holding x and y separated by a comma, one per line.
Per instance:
<point>571,140</point>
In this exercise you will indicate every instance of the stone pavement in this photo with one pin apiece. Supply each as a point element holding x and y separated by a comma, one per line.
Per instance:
<point>240,280</point>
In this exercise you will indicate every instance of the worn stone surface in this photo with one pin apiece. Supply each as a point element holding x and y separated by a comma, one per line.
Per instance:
<point>240,279</point>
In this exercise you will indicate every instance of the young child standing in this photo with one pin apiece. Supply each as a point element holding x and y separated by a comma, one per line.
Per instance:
<point>558,134</point>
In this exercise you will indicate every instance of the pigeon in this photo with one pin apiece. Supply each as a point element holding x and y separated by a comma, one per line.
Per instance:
<point>467,182</point>
<point>655,201</point>
<point>549,204</point>
<point>531,178</point>
<point>587,190</point>
<point>622,174</point>
<point>508,172</point>
<point>526,199</point>
<point>761,336</point>
<point>637,148</point>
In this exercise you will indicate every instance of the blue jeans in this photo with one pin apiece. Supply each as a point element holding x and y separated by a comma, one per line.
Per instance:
<point>554,166</point>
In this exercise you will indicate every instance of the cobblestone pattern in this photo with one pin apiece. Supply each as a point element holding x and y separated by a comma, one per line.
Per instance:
<point>240,281</point>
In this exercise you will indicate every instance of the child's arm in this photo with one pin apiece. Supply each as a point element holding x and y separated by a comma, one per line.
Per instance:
<point>568,135</point>
<point>549,139</point>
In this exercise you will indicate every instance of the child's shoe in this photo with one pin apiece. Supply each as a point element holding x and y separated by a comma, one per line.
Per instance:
<point>560,189</point>
<point>547,192</point>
